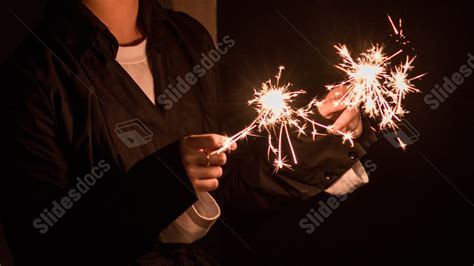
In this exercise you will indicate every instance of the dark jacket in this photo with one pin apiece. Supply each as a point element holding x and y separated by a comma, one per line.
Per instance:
<point>74,116</point>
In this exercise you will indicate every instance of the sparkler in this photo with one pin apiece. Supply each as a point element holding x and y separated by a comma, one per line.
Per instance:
<point>375,83</point>
<point>276,117</point>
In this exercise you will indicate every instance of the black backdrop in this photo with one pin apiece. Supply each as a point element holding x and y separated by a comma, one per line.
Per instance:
<point>412,209</point>
<point>417,208</point>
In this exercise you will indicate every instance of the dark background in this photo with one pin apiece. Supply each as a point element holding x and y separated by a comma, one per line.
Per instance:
<point>409,214</point>
<point>417,208</point>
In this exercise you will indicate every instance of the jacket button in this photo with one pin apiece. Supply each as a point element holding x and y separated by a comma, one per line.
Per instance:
<point>328,175</point>
<point>352,155</point>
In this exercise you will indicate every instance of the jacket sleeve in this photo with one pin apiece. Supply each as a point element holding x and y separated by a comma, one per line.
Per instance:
<point>250,182</point>
<point>50,217</point>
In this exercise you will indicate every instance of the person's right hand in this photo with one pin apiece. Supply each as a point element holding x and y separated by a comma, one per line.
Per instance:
<point>202,167</point>
<point>345,119</point>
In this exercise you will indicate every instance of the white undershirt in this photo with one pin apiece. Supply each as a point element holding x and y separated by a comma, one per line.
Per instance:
<point>135,61</point>
<point>195,222</point>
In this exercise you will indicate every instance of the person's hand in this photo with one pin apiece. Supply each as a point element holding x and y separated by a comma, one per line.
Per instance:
<point>203,167</point>
<point>345,119</point>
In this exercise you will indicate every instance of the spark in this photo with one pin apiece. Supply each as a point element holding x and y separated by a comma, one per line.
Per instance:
<point>276,117</point>
<point>395,29</point>
<point>375,83</point>
<point>402,144</point>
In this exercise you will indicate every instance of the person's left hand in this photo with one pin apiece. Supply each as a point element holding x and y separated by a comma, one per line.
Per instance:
<point>345,119</point>
<point>203,167</point>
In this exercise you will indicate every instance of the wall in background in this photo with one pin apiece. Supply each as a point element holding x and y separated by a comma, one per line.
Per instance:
<point>204,12</point>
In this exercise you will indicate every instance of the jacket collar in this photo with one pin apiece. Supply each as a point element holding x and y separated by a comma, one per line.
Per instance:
<point>80,30</point>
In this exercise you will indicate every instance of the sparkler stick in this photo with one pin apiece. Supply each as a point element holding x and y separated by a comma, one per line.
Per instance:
<point>375,83</point>
<point>276,117</point>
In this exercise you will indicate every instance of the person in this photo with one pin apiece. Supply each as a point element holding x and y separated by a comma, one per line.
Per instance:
<point>101,173</point>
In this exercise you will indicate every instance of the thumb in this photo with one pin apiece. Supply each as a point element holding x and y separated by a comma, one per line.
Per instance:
<point>206,142</point>
<point>329,107</point>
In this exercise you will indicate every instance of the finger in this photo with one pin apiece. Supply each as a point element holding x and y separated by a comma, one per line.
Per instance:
<point>202,172</point>
<point>329,107</point>
<point>344,119</point>
<point>208,159</point>
<point>192,158</point>
<point>206,142</point>
<point>358,131</point>
<point>337,93</point>
<point>355,127</point>
<point>354,123</point>
<point>332,102</point>
<point>232,146</point>
<point>204,185</point>
<point>218,159</point>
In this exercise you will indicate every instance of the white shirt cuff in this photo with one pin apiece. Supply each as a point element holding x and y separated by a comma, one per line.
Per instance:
<point>194,223</point>
<point>349,181</point>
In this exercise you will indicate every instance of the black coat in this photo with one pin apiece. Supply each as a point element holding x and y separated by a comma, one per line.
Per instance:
<point>71,114</point>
